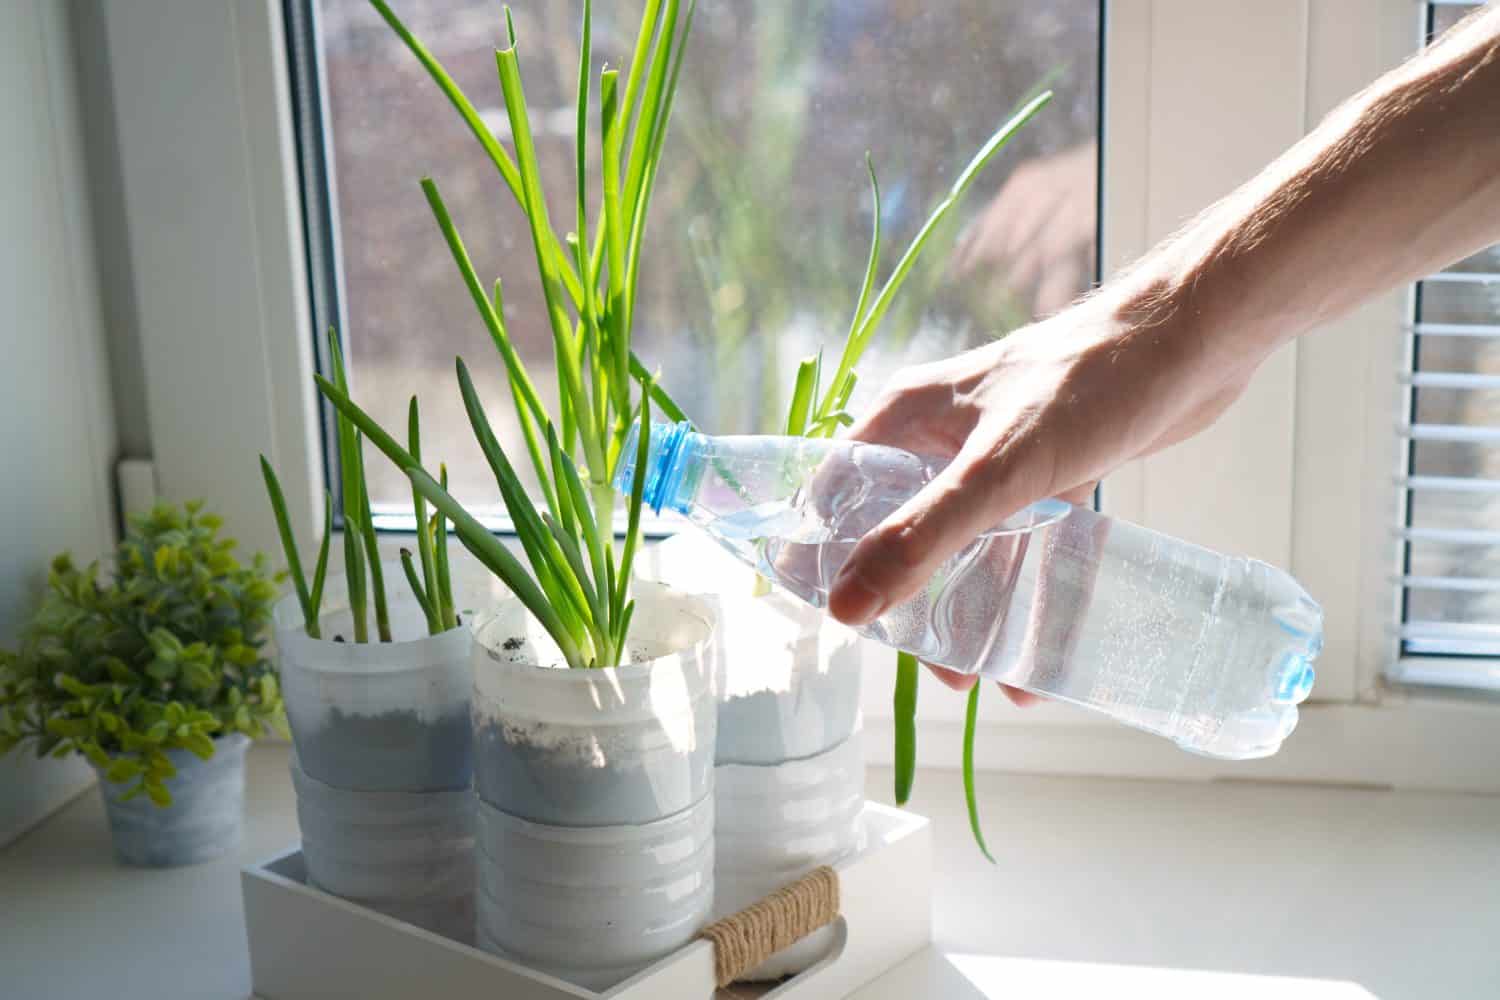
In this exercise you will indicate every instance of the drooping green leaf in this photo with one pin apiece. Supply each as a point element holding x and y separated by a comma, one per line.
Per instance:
<point>971,799</point>
<point>905,713</point>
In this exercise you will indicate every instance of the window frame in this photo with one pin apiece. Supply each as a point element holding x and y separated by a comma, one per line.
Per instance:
<point>211,184</point>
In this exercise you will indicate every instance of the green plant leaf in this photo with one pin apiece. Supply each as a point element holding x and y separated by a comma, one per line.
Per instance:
<point>642,196</point>
<point>637,498</point>
<point>652,100</point>
<point>320,572</point>
<point>872,264</point>
<point>475,537</point>
<point>372,547</point>
<point>157,792</point>
<point>581,130</point>
<point>440,554</point>
<point>199,744</point>
<point>493,321</point>
<point>861,332</point>
<point>471,116</point>
<point>569,365</point>
<point>592,537</point>
<point>95,755</point>
<point>425,588</point>
<point>905,710</point>
<point>533,534</point>
<point>417,591</point>
<point>659,396</point>
<point>971,800</point>
<point>803,392</point>
<point>351,492</point>
<point>289,547</point>
<point>197,676</point>
<point>163,670</point>
<point>122,769</point>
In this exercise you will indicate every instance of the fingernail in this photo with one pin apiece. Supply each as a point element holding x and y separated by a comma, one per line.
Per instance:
<point>853,601</point>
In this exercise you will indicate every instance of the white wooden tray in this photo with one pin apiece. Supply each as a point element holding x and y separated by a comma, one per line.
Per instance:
<point>305,943</point>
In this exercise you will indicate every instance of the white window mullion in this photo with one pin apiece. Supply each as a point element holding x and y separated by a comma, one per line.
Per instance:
<point>215,240</point>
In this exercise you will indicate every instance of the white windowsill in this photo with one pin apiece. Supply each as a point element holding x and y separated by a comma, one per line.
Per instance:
<point>1192,889</point>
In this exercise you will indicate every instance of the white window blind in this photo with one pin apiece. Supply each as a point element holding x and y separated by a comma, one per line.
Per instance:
<point>1450,631</point>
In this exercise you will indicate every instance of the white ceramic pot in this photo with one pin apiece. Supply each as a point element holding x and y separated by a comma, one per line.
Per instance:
<point>593,905</point>
<point>787,675</point>
<point>377,716</point>
<point>204,820</point>
<point>401,848</point>
<point>778,822</point>
<point>596,747</point>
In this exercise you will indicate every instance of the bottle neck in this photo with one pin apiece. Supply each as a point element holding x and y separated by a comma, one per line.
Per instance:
<point>669,461</point>
<point>669,467</point>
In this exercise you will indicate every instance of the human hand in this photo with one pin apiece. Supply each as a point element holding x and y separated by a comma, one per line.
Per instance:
<point>1044,412</point>
<point>1038,231</point>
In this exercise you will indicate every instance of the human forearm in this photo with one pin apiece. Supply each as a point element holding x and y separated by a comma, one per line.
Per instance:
<point>1401,180</point>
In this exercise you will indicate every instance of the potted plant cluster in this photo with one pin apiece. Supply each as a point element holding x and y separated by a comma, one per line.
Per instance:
<point>594,713</point>
<point>376,675</point>
<point>152,668</point>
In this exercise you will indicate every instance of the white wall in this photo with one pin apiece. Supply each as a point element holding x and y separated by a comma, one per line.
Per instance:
<point>57,432</point>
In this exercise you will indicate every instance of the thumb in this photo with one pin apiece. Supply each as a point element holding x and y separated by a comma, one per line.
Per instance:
<point>891,563</point>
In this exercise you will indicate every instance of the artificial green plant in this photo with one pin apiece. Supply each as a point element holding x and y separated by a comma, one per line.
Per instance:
<point>163,654</point>
<point>573,580</point>
<point>432,588</point>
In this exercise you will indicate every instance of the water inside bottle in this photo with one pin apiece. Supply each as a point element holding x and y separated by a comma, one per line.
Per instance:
<point>1210,651</point>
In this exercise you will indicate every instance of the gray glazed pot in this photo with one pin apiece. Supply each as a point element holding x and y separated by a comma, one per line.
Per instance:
<point>595,747</point>
<point>204,820</point>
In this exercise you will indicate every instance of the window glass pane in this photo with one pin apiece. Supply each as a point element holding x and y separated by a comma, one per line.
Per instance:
<point>1463,355</point>
<point>1438,559</point>
<point>1470,297</point>
<point>1455,509</point>
<point>1459,406</point>
<point>1445,16</point>
<point>760,228</point>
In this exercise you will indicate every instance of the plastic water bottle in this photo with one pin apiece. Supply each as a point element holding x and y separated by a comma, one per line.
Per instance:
<point>1213,652</point>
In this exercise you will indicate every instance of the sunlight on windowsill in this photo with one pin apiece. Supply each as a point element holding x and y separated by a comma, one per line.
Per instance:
<point>997,976</point>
